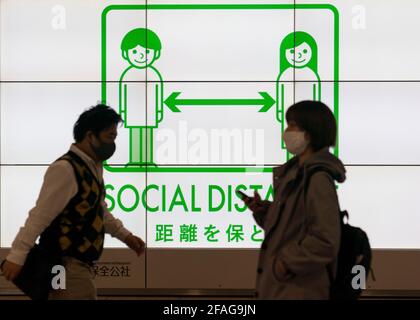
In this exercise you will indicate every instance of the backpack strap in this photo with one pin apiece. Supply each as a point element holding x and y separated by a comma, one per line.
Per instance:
<point>343,214</point>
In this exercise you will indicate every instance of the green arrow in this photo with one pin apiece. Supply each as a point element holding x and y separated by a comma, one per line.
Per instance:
<point>173,102</point>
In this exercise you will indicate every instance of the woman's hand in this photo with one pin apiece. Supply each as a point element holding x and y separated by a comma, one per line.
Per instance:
<point>256,205</point>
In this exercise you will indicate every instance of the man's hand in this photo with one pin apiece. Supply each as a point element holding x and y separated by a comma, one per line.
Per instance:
<point>255,204</point>
<point>136,244</point>
<point>11,270</point>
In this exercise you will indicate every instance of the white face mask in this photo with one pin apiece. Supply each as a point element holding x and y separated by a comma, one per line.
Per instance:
<point>295,142</point>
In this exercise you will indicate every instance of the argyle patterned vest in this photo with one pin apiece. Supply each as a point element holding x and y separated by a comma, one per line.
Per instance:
<point>78,231</point>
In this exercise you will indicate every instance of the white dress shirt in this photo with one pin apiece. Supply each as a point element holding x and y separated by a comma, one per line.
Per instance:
<point>58,188</point>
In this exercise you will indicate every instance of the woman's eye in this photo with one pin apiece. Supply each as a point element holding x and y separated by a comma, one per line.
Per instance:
<point>135,51</point>
<point>292,51</point>
<point>147,51</point>
<point>305,51</point>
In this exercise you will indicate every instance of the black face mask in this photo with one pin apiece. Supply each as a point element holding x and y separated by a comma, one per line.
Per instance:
<point>105,150</point>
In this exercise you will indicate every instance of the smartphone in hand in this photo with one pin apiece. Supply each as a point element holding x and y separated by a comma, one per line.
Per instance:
<point>242,195</point>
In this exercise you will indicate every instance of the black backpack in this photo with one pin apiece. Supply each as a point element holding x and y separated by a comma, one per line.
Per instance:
<point>354,251</point>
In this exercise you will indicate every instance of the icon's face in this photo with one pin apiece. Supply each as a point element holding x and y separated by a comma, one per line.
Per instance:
<point>140,57</point>
<point>299,56</point>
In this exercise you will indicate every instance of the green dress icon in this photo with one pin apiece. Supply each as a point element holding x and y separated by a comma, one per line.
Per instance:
<point>141,93</point>
<point>298,62</point>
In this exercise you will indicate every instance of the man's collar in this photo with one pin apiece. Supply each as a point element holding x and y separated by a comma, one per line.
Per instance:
<point>82,154</point>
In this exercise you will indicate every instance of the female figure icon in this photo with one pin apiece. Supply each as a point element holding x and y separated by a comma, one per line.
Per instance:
<point>298,78</point>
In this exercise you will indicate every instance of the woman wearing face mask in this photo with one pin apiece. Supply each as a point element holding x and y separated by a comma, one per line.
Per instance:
<point>302,227</point>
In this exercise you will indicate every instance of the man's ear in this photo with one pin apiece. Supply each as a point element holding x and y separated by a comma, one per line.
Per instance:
<point>157,54</point>
<point>89,135</point>
<point>125,54</point>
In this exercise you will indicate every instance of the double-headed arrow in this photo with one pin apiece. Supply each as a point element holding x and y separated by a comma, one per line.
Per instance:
<point>173,102</point>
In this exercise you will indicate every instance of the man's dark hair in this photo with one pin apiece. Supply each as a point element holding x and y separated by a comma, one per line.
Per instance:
<point>95,119</point>
<point>317,120</point>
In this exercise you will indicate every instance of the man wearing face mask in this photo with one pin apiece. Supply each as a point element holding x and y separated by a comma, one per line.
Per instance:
<point>298,256</point>
<point>70,215</point>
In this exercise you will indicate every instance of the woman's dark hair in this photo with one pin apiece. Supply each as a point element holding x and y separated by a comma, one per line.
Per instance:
<point>95,119</point>
<point>317,120</point>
